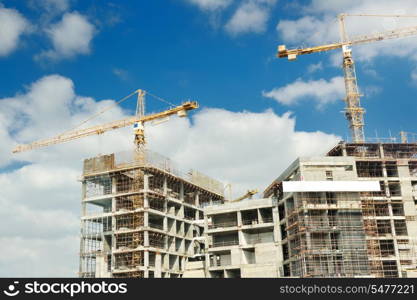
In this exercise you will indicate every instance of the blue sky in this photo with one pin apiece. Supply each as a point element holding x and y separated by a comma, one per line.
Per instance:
<point>173,49</point>
<point>64,60</point>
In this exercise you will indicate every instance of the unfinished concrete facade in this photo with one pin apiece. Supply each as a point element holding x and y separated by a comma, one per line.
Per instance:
<point>141,216</point>
<point>243,239</point>
<point>351,234</point>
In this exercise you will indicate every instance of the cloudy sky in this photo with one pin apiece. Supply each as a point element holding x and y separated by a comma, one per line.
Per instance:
<point>64,60</point>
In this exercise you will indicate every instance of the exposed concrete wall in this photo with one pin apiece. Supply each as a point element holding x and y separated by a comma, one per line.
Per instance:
<point>260,271</point>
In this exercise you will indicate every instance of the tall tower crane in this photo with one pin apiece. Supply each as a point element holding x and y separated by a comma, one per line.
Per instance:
<point>137,121</point>
<point>353,111</point>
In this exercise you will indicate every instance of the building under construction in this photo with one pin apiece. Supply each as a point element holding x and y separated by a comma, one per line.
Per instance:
<point>333,225</point>
<point>351,213</point>
<point>141,215</point>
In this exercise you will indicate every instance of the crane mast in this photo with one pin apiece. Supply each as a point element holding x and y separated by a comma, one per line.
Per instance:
<point>354,113</point>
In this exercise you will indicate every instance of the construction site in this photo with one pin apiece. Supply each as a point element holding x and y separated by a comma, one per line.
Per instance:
<point>349,213</point>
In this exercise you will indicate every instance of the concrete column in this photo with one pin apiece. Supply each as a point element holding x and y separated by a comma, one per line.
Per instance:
<point>113,185</point>
<point>381,151</point>
<point>158,265</point>
<point>239,218</point>
<point>182,263</point>
<point>181,191</point>
<point>146,259</point>
<point>145,200</point>
<point>258,211</point>
<point>197,199</point>
<point>344,152</point>
<point>384,170</point>
<point>165,186</point>
<point>241,237</point>
<point>165,223</point>
<point>146,219</point>
<point>146,182</point>
<point>181,212</point>
<point>146,238</point>
<point>277,229</point>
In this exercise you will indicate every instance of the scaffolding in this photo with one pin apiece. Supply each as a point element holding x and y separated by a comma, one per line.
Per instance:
<point>386,230</point>
<point>126,206</point>
<point>325,235</point>
<point>128,221</point>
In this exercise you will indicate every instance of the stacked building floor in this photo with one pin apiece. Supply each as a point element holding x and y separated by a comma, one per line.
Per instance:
<point>143,217</point>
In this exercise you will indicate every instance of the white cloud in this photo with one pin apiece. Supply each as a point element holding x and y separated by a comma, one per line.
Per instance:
<point>70,37</point>
<point>321,91</point>
<point>250,17</point>
<point>12,26</point>
<point>121,73</point>
<point>41,200</point>
<point>319,25</point>
<point>34,257</point>
<point>52,7</point>
<point>244,148</point>
<point>211,5</point>
<point>315,67</point>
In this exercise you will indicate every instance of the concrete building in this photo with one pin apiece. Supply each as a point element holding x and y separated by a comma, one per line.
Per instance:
<point>348,233</point>
<point>351,213</point>
<point>141,216</point>
<point>243,239</point>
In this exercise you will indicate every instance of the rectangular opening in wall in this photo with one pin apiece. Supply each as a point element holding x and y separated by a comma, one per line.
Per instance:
<point>369,169</point>
<point>98,185</point>
<point>189,213</point>
<point>394,188</point>
<point>233,273</point>
<point>400,227</point>
<point>390,268</point>
<point>180,228</point>
<point>384,227</point>
<point>225,239</point>
<point>266,215</point>
<point>156,221</point>
<point>412,166</point>
<point>363,150</point>
<point>173,188</point>
<point>281,212</point>
<point>217,274</point>
<point>285,252</point>
<point>189,194</point>
<point>250,217</point>
<point>130,202</point>
<point>392,169</point>
<point>283,231</point>
<point>329,175</point>
<point>387,248</point>
<point>259,235</point>
<point>397,209</point>
<point>156,202</point>
<point>152,259</point>
<point>220,259</point>
<point>129,221</point>
<point>249,256</point>
<point>223,220</point>
<point>156,183</point>
<point>157,240</point>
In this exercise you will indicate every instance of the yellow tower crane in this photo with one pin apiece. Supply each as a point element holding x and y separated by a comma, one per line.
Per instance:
<point>137,121</point>
<point>249,194</point>
<point>353,111</point>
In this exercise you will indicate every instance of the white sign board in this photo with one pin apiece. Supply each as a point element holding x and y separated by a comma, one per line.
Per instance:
<point>331,186</point>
